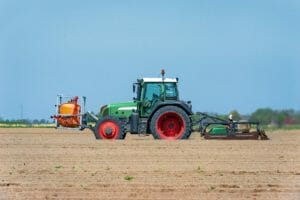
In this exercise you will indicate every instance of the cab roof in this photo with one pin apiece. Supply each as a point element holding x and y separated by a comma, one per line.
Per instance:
<point>159,80</point>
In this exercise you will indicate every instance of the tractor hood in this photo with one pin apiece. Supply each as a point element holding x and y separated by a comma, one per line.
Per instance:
<point>120,110</point>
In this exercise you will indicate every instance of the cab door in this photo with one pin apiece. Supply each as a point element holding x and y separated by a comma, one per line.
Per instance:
<point>152,93</point>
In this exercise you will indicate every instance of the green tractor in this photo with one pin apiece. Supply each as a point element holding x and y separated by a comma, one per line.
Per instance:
<point>155,109</point>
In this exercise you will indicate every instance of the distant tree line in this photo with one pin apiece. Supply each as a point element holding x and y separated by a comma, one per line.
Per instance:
<point>266,116</point>
<point>24,121</point>
<point>276,117</point>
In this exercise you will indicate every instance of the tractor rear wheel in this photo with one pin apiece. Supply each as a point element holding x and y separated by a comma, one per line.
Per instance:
<point>170,123</point>
<point>109,128</point>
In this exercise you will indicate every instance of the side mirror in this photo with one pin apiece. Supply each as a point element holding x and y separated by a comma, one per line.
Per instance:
<point>133,88</point>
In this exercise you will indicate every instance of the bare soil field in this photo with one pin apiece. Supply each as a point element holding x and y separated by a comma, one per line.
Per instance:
<point>55,164</point>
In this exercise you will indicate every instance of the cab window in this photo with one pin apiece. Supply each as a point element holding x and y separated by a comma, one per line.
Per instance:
<point>171,92</point>
<point>153,90</point>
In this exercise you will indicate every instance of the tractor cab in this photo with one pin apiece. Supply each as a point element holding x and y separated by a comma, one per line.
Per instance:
<point>150,91</point>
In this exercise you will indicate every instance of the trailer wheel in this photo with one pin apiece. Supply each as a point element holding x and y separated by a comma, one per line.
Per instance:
<point>170,123</point>
<point>109,128</point>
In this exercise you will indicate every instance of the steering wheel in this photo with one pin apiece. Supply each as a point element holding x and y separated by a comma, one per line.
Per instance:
<point>147,103</point>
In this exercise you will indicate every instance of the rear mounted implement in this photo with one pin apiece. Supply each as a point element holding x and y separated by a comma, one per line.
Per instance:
<point>215,128</point>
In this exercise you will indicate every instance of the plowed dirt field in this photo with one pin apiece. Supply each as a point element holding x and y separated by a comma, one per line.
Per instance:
<point>55,164</point>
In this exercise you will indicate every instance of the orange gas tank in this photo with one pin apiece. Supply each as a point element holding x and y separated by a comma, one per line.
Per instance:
<point>69,113</point>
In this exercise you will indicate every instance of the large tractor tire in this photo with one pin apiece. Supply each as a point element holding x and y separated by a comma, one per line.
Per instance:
<point>170,123</point>
<point>109,128</point>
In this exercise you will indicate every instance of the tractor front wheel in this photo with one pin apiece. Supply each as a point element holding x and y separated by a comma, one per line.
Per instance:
<point>109,128</point>
<point>170,123</point>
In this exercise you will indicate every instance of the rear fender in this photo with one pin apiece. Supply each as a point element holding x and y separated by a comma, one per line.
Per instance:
<point>184,106</point>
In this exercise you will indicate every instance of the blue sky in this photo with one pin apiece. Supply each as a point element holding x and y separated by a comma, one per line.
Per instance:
<point>228,54</point>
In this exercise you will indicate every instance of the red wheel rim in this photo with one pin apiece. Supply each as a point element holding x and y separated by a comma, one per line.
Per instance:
<point>109,130</point>
<point>170,125</point>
